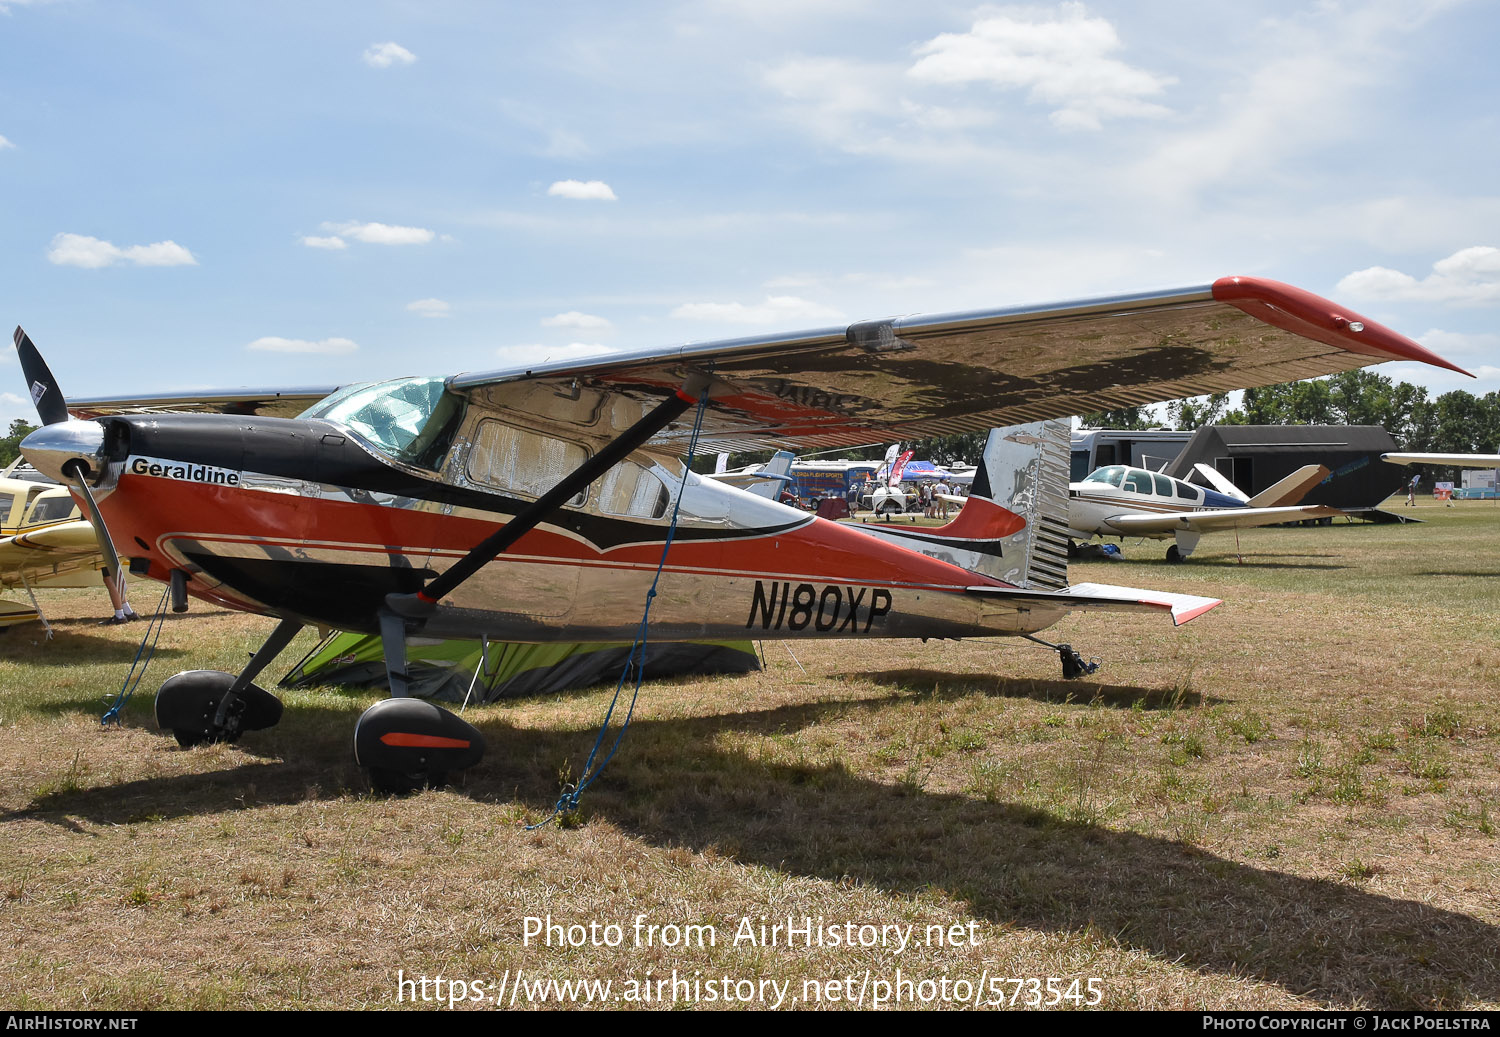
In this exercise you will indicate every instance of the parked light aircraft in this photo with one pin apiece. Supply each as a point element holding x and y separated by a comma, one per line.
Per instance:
<point>764,480</point>
<point>1121,501</point>
<point>43,541</point>
<point>536,504</point>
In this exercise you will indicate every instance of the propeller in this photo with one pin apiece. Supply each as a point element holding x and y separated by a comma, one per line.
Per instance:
<point>52,408</point>
<point>45,395</point>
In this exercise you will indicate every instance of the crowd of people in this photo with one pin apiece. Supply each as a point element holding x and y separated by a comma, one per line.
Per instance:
<point>931,499</point>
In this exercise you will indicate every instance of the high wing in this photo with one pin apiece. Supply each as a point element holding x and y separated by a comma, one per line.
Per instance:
<point>917,377</point>
<point>1210,521</point>
<point>270,403</point>
<point>921,376</point>
<point>1458,460</point>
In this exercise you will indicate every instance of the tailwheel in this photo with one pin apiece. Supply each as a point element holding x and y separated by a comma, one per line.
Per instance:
<point>406,744</point>
<point>188,705</point>
<point>1073,664</point>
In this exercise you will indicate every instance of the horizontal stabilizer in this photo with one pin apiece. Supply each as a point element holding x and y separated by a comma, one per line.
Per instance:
<point>1183,607</point>
<point>1291,489</point>
<point>1218,481</point>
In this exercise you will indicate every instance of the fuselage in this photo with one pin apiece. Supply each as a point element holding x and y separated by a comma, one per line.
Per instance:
<point>319,518</point>
<point>1121,490</point>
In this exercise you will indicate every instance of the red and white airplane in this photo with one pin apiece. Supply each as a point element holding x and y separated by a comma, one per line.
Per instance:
<point>537,504</point>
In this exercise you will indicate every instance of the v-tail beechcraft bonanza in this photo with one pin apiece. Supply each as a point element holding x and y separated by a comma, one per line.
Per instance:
<point>537,504</point>
<point>1120,501</point>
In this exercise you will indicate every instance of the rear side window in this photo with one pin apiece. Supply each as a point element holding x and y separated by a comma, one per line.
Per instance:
<point>627,489</point>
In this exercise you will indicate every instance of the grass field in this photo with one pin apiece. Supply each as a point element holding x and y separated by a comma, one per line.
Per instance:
<point>1290,803</point>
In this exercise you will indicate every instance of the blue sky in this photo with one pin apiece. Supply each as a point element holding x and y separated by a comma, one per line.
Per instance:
<point>218,194</point>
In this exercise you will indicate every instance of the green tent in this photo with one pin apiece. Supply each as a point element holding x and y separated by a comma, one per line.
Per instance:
<point>445,669</point>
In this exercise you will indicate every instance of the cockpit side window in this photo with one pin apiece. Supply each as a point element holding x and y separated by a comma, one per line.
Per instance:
<point>50,508</point>
<point>1139,482</point>
<point>521,461</point>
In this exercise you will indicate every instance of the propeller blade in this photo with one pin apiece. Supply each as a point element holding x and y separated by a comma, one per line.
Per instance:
<point>101,531</point>
<point>48,398</point>
<point>52,408</point>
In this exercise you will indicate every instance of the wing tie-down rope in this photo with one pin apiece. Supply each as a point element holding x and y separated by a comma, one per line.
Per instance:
<point>567,803</point>
<point>132,677</point>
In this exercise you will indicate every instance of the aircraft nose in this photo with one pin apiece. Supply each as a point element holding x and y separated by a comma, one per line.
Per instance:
<point>56,448</point>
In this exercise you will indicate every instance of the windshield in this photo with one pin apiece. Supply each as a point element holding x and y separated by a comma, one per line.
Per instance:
<point>411,419</point>
<point>1111,475</point>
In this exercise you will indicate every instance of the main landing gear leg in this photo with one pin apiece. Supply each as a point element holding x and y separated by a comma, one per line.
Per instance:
<point>1073,665</point>
<point>201,706</point>
<point>406,744</point>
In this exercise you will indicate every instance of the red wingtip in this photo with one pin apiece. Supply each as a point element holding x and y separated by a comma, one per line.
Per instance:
<point>1314,317</point>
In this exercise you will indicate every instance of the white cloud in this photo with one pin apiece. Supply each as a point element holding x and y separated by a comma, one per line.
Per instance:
<point>1061,60</point>
<point>93,253</point>
<point>5,143</point>
<point>380,233</point>
<point>163,253</point>
<point>792,281</point>
<point>1475,352</point>
<point>384,55</point>
<point>334,242</point>
<point>775,309</point>
<point>13,407</point>
<point>274,344</point>
<point>429,308</point>
<point>583,190</point>
<point>1304,85</point>
<point>1469,276</point>
<point>574,319</point>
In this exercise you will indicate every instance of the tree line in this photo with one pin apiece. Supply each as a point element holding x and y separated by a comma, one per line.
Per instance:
<point>1456,422</point>
<point>10,444</point>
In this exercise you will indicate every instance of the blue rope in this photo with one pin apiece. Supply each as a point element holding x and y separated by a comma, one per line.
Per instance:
<point>127,689</point>
<point>635,661</point>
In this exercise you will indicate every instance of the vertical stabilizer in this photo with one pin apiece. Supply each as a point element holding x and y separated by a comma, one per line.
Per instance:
<point>1014,524</point>
<point>1025,471</point>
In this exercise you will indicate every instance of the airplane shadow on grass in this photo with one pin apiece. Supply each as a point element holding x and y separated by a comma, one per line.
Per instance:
<point>947,686</point>
<point>1258,562</point>
<point>673,784</point>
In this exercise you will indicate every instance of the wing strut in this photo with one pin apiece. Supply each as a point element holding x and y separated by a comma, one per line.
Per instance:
<point>423,603</point>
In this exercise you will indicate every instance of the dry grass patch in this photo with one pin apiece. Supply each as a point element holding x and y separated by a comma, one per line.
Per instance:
<point>1292,802</point>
